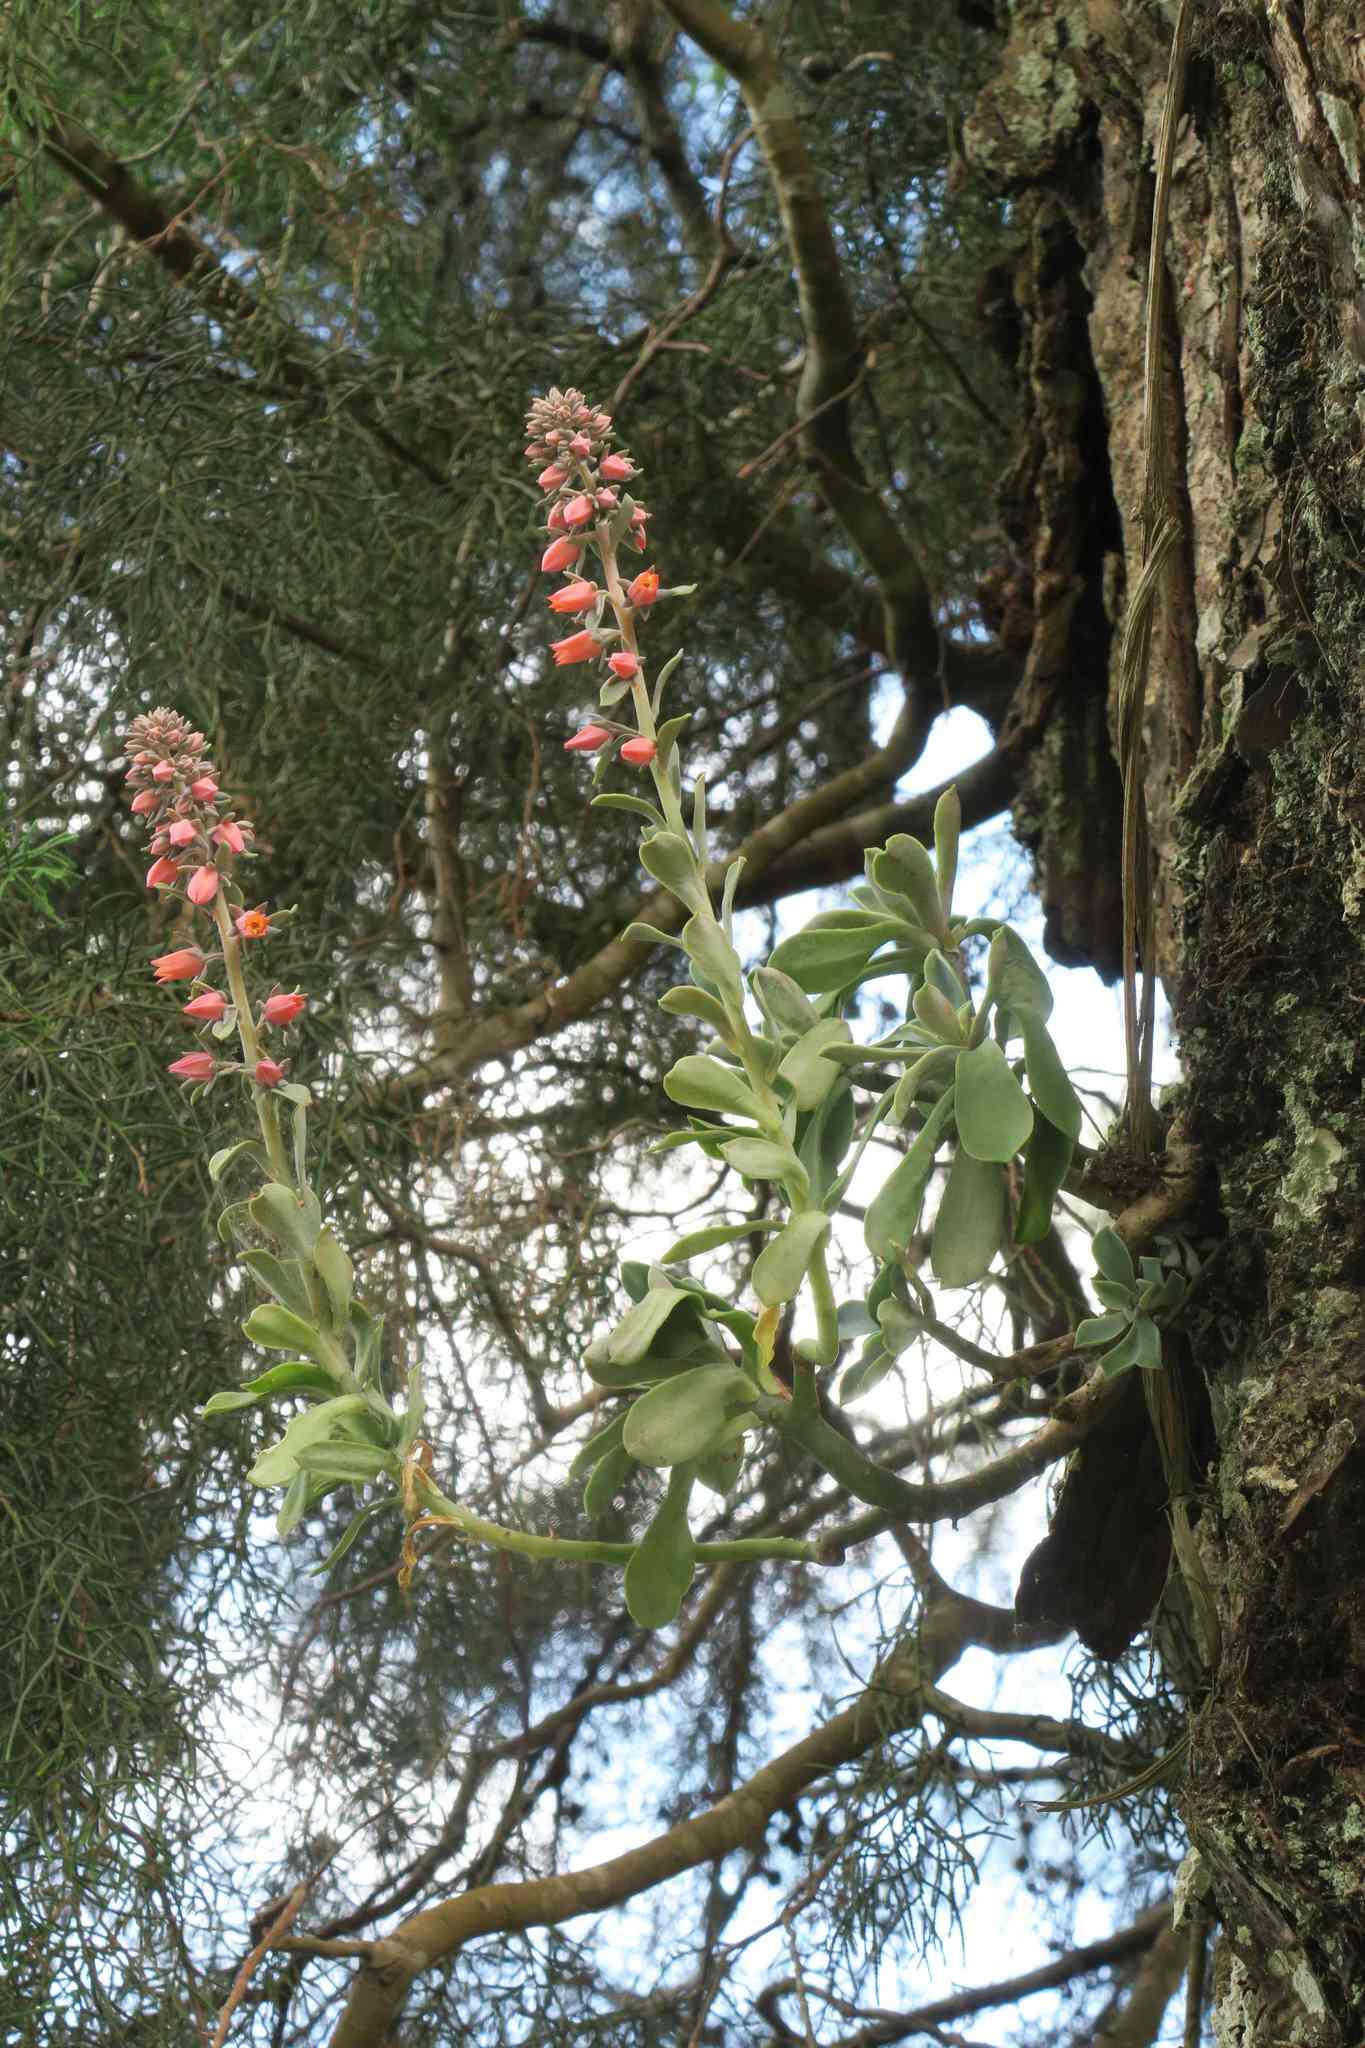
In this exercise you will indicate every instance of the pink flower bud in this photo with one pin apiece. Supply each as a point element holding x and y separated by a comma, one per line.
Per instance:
<point>202,886</point>
<point>145,800</point>
<point>577,510</point>
<point>553,438</point>
<point>643,590</point>
<point>587,740</point>
<point>206,1009</point>
<point>282,1009</point>
<point>550,479</point>
<point>574,597</point>
<point>554,518</point>
<point>205,789</point>
<point>182,965</point>
<point>602,422</point>
<point>607,501</point>
<point>623,664</point>
<point>578,647</point>
<point>163,772</point>
<point>181,832</point>
<point>617,468</point>
<point>639,751</point>
<point>229,833</point>
<point>561,554</point>
<point>162,873</point>
<point>580,446</point>
<point>269,1073</point>
<point>194,1066</point>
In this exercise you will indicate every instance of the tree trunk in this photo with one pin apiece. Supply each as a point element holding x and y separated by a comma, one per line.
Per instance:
<point>1255,729</point>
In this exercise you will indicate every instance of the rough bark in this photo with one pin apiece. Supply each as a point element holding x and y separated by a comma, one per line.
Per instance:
<point>1255,726</point>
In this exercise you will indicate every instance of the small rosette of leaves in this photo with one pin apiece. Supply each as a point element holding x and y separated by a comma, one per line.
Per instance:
<point>1133,1297</point>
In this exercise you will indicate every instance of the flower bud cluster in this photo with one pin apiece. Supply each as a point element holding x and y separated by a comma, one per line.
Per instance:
<point>195,843</point>
<point>587,514</point>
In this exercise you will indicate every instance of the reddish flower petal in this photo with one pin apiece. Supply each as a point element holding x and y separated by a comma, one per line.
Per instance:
<point>574,597</point>
<point>194,1066</point>
<point>202,886</point>
<point>182,965</point>
<point>587,740</point>
<point>561,554</point>
<point>578,647</point>
<point>617,469</point>
<point>639,751</point>
<point>643,590</point>
<point>282,1009</point>
<point>269,1073</point>
<point>162,873</point>
<point>624,664</point>
<point>207,1008</point>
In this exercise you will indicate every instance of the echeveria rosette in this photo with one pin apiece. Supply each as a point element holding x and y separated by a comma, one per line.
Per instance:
<point>347,1431</point>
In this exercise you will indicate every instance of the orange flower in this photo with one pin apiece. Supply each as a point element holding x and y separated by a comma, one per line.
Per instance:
<point>578,596</point>
<point>578,647</point>
<point>253,924</point>
<point>644,588</point>
<point>181,965</point>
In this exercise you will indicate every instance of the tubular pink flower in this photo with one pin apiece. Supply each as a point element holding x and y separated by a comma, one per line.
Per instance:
<point>162,873</point>
<point>561,554</point>
<point>163,772</point>
<point>643,590</point>
<point>194,1066</point>
<point>607,501</point>
<point>550,479</point>
<point>580,446</point>
<point>205,788</point>
<point>229,833</point>
<point>587,740</point>
<point>181,832</point>
<point>578,647</point>
<point>202,886</point>
<point>617,469</point>
<point>579,596</point>
<point>182,965</point>
<point>269,1073</point>
<point>145,800</point>
<point>281,1008</point>
<point>624,664</point>
<point>577,510</point>
<point>554,518</point>
<point>207,1008</point>
<point>639,751</point>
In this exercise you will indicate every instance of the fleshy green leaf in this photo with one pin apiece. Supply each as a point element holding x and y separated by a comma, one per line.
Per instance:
<point>893,1214</point>
<point>276,1466</point>
<point>337,1274</point>
<point>597,1446</point>
<point>866,1372</point>
<point>1112,1256</point>
<point>762,1159</point>
<point>670,859</point>
<point>343,1462</point>
<point>695,1002</point>
<point>1014,979</point>
<point>1095,1330</point>
<point>720,1469</point>
<point>617,800</point>
<point>833,947</point>
<point>712,1237</point>
<point>606,1479</point>
<point>905,867</point>
<point>686,1416</point>
<point>970,1226</point>
<point>701,1083</point>
<point>278,1330</point>
<point>352,1530</point>
<point>660,1572</point>
<point>826,1139</point>
<point>294,1506</point>
<point>947,832</point>
<point>294,1219</point>
<point>294,1378</point>
<point>1125,1354</point>
<point>220,1161</point>
<point>1047,1157</point>
<point>782,1002</point>
<point>937,1014</point>
<point>1047,1077</point>
<point>940,974</point>
<point>281,1277</point>
<point>782,1265</point>
<point>993,1114</point>
<point>809,1075</point>
<point>638,1327</point>
<point>650,935</point>
<point>713,957</point>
